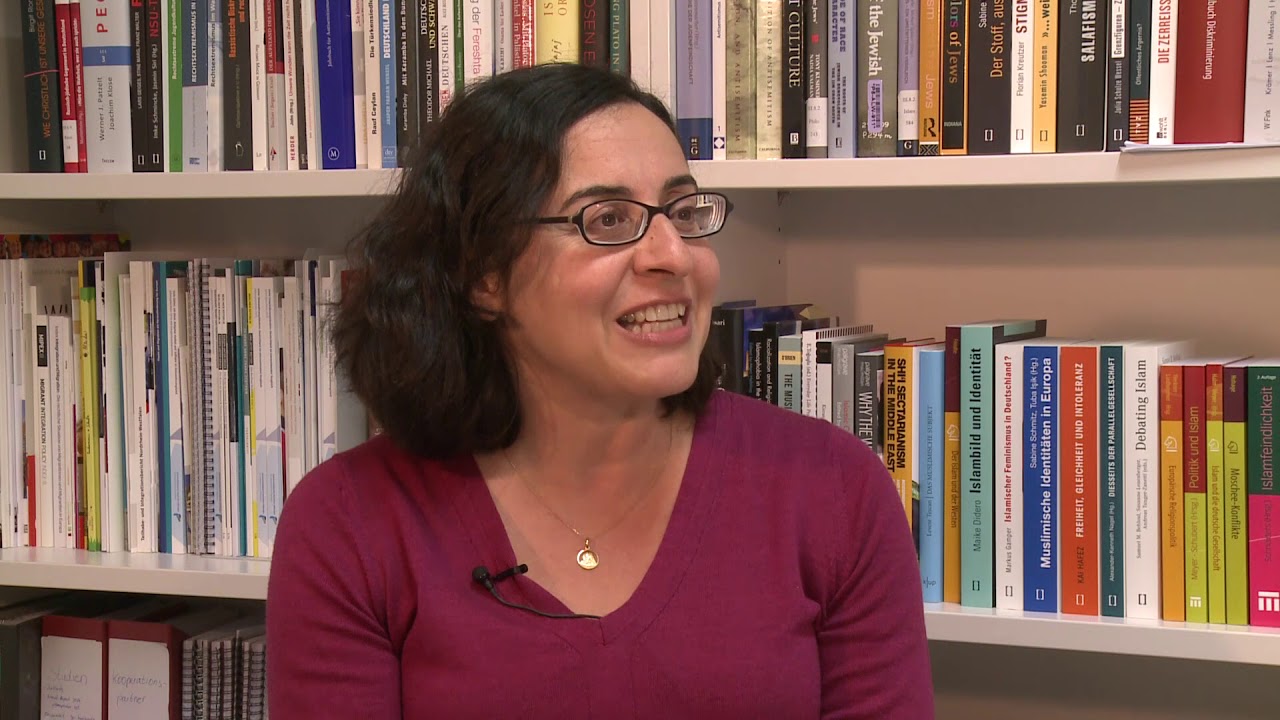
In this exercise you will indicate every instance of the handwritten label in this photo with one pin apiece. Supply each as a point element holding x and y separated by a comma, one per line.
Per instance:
<point>70,679</point>
<point>138,674</point>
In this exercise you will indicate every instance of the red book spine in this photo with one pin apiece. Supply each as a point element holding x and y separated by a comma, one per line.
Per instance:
<point>66,86</point>
<point>522,31</point>
<point>1209,90</point>
<point>1078,473</point>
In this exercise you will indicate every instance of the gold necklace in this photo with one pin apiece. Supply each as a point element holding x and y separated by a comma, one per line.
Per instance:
<point>588,558</point>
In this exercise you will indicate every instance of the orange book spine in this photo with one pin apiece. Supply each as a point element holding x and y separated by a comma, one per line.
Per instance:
<point>1078,493</point>
<point>951,468</point>
<point>1172,557</point>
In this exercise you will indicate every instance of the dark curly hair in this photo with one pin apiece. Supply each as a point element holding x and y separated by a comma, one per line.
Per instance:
<point>429,365</point>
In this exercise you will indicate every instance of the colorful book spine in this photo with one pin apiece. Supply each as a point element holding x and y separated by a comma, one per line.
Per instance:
<point>1215,493</point>
<point>1078,499</point>
<point>929,446</point>
<point>693,78</point>
<point>951,453</point>
<point>1264,496</point>
<point>1040,479</point>
<point>1173,606</point>
<point>1194,499</point>
<point>1235,439</point>
<point>1111,510</point>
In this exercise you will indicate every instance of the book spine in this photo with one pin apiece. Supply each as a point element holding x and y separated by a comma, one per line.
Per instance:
<point>740,86</point>
<point>898,414</point>
<point>1210,80</point>
<point>1195,502</point>
<point>195,86</point>
<point>816,48</point>
<point>336,103</point>
<point>768,79</point>
<point>291,52</point>
<point>1022,80</point>
<point>237,137</point>
<point>107,62</point>
<point>951,472</point>
<point>77,69</point>
<point>503,51</point>
<point>356,82</point>
<point>401,132</point>
<point>1140,37</point>
<point>556,29</point>
<point>428,92</point>
<point>989,102</point>
<point>1173,604</point>
<point>157,134</point>
<point>929,462</point>
<point>1118,76</point>
<point>877,80</point>
<point>976,425</point>
<point>274,84</point>
<point>68,74</point>
<point>175,21</point>
<point>1215,494</point>
<point>1078,501</point>
<point>841,81</point>
<point>930,73</point>
<point>1040,558</point>
<point>1111,493</point>
<point>1044,115</point>
<point>1261,101</point>
<point>214,102</point>
<point>444,52</point>
<point>1163,78</point>
<point>620,36</point>
<point>719,81</point>
<point>523,35</point>
<point>40,70</point>
<point>693,73</point>
<point>790,359</point>
<point>1264,499</point>
<point>593,46</point>
<point>909,77</point>
<point>1235,438</point>
<point>1009,466</point>
<point>792,95</point>
<point>1081,76</point>
<point>955,100</point>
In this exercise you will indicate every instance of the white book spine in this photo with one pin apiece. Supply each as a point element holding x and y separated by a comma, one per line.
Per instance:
<point>129,439</point>
<point>115,385</point>
<point>445,58</point>
<point>258,83</point>
<point>1261,94</point>
<point>70,138</point>
<point>1164,43</point>
<point>42,402</point>
<point>107,52</point>
<point>1021,97</point>
<point>213,101</point>
<point>289,23</point>
<point>504,44</point>
<point>224,448</point>
<point>291,382</point>
<point>62,408</point>
<point>370,45</point>
<point>277,100</point>
<point>1009,469</point>
<point>8,482</point>
<point>478,61</point>
<point>719,97</point>
<point>310,62</point>
<point>175,427</point>
<point>110,509</point>
<point>359,56</point>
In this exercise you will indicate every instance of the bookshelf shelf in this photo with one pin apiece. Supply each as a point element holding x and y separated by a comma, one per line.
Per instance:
<point>1121,636</point>
<point>152,573</point>
<point>1178,166</point>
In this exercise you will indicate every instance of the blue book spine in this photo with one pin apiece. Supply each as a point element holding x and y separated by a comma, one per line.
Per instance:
<point>931,371</point>
<point>693,77</point>
<point>337,103</point>
<point>160,323</point>
<point>842,81</point>
<point>1040,480</point>
<point>389,81</point>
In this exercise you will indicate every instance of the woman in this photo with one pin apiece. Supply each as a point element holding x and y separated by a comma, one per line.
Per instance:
<point>528,325</point>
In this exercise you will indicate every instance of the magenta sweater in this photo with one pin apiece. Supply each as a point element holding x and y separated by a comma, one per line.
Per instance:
<point>787,586</point>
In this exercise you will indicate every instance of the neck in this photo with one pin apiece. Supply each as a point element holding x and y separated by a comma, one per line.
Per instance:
<point>572,441</point>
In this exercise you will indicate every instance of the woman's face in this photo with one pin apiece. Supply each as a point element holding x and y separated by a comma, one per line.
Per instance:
<point>576,308</point>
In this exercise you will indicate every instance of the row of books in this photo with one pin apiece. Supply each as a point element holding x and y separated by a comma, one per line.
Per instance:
<point>119,86</point>
<point>123,657</point>
<point>1120,477</point>
<point>158,403</point>
<point>770,79</point>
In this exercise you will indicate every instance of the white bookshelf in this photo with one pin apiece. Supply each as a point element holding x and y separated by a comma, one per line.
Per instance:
<point>1084,169</point>
<point>149,573</point>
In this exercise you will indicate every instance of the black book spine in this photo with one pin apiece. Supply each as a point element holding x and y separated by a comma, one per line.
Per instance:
<point>1082,89</point>
<point>1118,76</point>
<point>989,102</point>
<point>428,64</point>
<point>954,76</point>
<point>157,80</point>
<point>237,88</point>
<point>40,68</point>
<point>139,90</point>
<point>793,81</point>
<point>300,86</point>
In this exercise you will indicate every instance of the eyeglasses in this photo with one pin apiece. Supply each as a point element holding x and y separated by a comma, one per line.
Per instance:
<point>621,221</point>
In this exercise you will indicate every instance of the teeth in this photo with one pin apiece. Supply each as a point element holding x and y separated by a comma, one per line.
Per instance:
<point>655,327</point>
<point>655,314</point>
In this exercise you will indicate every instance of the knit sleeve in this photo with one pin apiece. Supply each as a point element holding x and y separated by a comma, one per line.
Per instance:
<point>329,655</point>
<point>873,649</point>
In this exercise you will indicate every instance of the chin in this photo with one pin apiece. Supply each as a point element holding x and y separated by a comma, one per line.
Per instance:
<point>658,382</point>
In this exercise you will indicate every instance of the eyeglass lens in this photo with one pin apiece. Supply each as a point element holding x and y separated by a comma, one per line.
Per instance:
<point>621,221</point>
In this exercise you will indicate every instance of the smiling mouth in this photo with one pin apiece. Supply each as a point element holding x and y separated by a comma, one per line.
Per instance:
<point>655,319</point>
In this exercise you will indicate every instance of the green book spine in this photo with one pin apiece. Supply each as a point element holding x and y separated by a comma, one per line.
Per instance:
<point>173,74</point>
<point>1111,492</point>
<point>1215,490</point>
<point>976,410</point>
<point>1234,442</point>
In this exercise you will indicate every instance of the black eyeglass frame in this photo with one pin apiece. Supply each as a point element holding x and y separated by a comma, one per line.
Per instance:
<point>650,210</point>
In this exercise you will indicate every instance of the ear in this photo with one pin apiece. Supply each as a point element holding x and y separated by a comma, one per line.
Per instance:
<point>488,297</point>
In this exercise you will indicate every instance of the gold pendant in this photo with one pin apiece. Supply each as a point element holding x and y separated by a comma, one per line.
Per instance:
<point>587,558</point>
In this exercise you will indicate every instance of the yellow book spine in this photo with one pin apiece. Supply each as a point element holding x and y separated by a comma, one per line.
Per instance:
<point>89,412</point>
<point>1172,560</point>
<point>1235,431</point>
<point>555,31</point>
<point>897,418</point>
<point>1216,495</point>
<point>1044,113</point>
<point>930,76</point>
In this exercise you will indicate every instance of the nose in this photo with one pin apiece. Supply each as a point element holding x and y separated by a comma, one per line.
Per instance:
<point>662,250</point>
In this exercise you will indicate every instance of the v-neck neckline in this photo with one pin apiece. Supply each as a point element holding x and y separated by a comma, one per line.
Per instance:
<point>699,487</point>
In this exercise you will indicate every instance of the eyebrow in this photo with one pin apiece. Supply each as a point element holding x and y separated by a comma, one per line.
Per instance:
<point>601,191</point>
